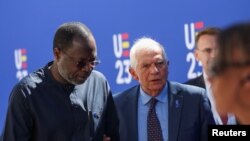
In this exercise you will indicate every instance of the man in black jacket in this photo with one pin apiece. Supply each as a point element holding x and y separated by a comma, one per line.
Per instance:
<point>66,100</point>
<point>205,51</point>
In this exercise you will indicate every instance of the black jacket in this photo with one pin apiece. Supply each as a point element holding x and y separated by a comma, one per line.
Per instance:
<point>41,109</point>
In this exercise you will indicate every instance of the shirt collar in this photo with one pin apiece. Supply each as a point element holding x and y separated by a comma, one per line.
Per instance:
<point>162,97</point>
<point>207,83</point>
<point>48,73</point>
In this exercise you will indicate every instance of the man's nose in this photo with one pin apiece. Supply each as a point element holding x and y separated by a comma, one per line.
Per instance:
<point>213,53</point>
<point>154,68</point>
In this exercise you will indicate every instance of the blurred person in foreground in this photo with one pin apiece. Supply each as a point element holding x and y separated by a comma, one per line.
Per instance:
<point>157,109</point>
<point>230,72</point>
<point>206,47</point>
<point>66,100</point>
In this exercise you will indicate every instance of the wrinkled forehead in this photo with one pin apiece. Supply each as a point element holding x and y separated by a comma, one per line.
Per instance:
<point>149,50</point>
<point>149,55</point>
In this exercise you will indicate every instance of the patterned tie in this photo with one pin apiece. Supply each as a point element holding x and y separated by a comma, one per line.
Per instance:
<point>154,127</point>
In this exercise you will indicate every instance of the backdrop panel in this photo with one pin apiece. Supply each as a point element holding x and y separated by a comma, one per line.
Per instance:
<point>27,28</point>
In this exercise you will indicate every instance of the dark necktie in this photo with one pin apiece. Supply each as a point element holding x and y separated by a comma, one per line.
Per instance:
<point>154,127</point>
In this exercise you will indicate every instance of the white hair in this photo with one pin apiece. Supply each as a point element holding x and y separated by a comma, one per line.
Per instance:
<point>144,43</point>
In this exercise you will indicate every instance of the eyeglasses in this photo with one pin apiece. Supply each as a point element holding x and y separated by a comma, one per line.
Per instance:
<point>82,64</point>
<point>207,50</point>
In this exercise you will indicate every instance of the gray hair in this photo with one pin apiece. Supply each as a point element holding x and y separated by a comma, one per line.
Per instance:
<point>144,43</point>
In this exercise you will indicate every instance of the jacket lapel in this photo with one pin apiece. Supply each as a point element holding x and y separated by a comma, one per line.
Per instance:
<point>202,82</point>
<point>175,110</point>
<point>131,110</point>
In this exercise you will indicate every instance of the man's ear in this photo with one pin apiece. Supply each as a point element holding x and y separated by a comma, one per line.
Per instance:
<point>56,52</point>
<point>196,55</point>
<point>133,73</point>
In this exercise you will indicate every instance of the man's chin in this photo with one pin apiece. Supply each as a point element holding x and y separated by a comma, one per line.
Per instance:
<point>80,81</point>
<point>157,84</point>
<point>157,87</point>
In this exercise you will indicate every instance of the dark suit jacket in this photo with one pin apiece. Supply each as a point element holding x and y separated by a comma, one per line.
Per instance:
<point>188,120</point>
<point>198,81</point>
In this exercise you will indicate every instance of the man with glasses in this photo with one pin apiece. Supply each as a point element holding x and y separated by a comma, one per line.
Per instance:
<point>66,100</point>
<point>230,72</point>
<point>205,51</point>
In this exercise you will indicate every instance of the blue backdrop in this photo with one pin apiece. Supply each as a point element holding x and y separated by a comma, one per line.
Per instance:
<point>27,28</point>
